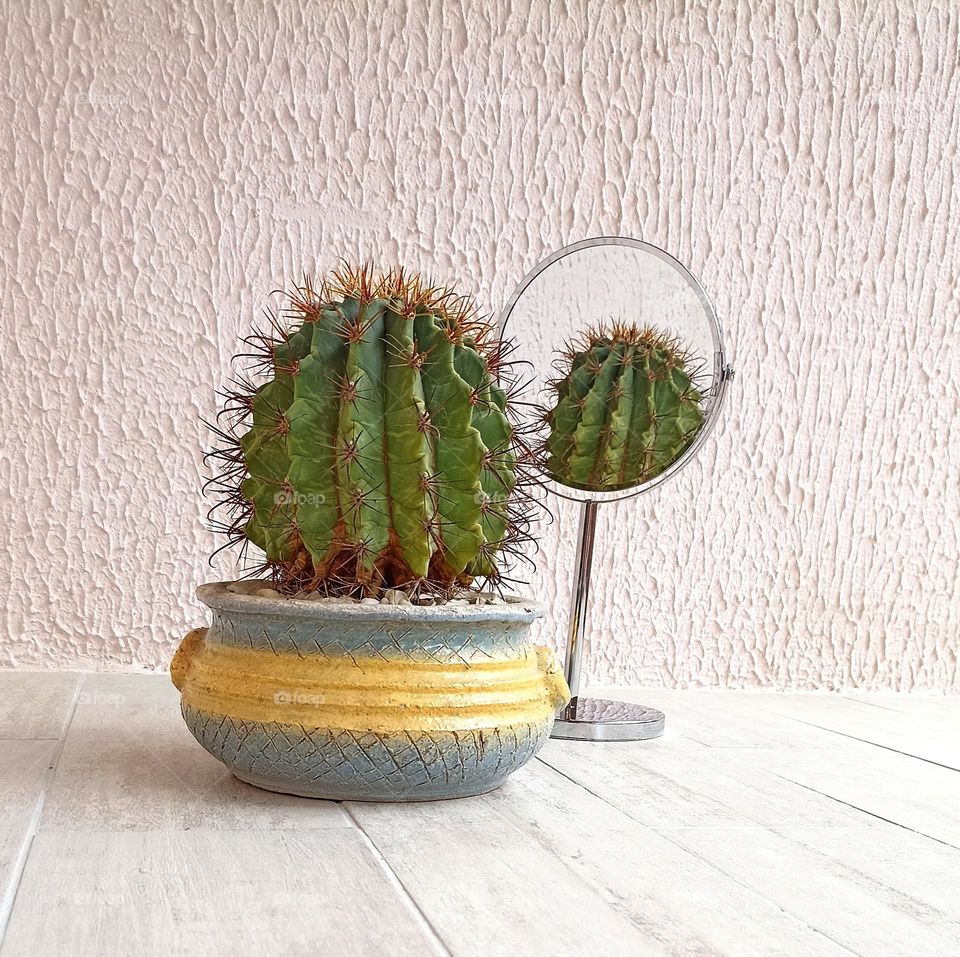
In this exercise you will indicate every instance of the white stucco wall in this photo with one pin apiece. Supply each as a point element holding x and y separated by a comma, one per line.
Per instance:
<point>163,169</point>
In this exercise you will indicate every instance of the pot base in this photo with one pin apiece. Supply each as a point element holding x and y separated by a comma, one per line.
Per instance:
<point>343,765</point>
<point>325,794</point>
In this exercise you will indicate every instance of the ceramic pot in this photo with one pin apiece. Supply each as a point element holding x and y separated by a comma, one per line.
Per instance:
<point>367,702</point>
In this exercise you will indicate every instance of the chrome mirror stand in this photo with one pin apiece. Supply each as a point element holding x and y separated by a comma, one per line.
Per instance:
<point>618,276</point>
<point>595,719</point>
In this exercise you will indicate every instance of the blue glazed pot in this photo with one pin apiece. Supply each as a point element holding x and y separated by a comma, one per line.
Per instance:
<point>367,702</point>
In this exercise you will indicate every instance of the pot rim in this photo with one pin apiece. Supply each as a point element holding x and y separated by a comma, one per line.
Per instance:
<point>215,595</point>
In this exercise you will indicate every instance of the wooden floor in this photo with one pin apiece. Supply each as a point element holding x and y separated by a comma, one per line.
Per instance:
<point>760,824</point>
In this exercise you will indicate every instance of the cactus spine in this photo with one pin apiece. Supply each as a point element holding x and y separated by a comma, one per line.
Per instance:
<point>626,407</point>
<point>379,454</point>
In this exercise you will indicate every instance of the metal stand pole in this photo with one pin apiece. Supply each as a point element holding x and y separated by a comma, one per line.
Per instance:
<point>595,719</point>
<point>580,599</point>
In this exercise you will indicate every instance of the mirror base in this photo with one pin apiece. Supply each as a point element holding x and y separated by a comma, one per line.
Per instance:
<point>599,719</point>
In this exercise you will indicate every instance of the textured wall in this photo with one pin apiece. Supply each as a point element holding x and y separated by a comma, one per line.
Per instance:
<point>164,168</point>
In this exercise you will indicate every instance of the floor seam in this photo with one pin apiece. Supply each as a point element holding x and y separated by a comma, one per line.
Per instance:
<point>876,744</point>
<point>426,925</point>
<point>871,704</point>
<point>9,899</point>
<point>862,810</point>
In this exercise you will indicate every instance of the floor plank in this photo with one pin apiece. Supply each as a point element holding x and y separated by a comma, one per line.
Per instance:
<point>849,879</point>
<point>918,706</point>
<point>873,890</point>
<point>898,788</point>
<point>24,772</point>
<point>129,763</point>
<point>721,719</point>
<point>210,893</point>
<point>930,729</point>
<point>666,787</point>
<point>35,704</point>
<point>932,734</point>
<point>659,888</point>
<point>491,891</point>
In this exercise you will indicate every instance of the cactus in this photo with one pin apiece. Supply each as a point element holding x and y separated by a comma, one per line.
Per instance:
<point>379,453</point>
<point>627,406</point>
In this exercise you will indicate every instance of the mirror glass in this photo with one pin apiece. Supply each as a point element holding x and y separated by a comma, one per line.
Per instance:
<point>622,360</point>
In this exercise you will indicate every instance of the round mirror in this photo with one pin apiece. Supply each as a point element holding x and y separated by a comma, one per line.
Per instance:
<point>624,363</point>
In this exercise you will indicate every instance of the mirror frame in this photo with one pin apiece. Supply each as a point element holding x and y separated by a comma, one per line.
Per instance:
<point>722,371</point>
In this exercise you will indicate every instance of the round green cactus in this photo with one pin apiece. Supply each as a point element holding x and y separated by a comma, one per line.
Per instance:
<point>379,454</point>
<point>626,408</point>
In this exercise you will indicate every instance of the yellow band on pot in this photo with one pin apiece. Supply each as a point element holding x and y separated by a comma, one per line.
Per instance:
<point>367,694</point>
